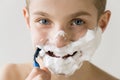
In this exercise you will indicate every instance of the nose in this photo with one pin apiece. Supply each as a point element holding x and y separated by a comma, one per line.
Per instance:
<point>61,38</point>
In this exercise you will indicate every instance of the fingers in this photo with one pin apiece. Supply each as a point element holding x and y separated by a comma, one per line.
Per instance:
<point>38,78</point>
<point>39,74</point>
<point>46,70</point>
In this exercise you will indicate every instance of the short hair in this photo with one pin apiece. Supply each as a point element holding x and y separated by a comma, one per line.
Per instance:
<point>99,4</point>
<point>27,3</point>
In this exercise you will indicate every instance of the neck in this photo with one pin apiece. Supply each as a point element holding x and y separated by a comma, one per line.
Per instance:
<point>80,74</point>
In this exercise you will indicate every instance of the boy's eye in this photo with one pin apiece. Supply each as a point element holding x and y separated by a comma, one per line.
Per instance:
<point>44,21</point>
<point>77,22</point>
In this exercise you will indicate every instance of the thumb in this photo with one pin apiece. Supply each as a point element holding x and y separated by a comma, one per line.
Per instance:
<point>39,74</point>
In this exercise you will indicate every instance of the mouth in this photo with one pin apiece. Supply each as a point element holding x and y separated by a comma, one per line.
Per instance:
<point>50,53</point>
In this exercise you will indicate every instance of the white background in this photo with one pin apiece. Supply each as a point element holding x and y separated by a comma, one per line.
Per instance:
<point>16,46</point>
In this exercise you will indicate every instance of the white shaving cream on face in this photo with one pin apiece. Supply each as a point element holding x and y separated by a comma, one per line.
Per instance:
<point>85,47</point>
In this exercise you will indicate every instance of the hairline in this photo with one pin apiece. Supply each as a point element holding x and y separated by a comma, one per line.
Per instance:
<point>99,10</point>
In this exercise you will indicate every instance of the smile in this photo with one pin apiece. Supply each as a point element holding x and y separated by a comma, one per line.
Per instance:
<point>50,53</point>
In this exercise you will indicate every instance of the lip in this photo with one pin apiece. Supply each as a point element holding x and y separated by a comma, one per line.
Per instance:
<point>50,53</point>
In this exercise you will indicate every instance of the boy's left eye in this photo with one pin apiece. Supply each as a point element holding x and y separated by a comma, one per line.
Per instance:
<point>77,22</point>
<point>44,21</point>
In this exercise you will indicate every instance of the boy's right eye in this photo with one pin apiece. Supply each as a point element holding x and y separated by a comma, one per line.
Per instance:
<point>44,21</point>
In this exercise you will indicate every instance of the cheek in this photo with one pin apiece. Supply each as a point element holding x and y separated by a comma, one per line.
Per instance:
<point>39,37</point>
<point>79,33</point>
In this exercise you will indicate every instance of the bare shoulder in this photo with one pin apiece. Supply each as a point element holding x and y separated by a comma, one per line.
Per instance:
<point>102,75</point>
<point>15,71</point>
<point>8,72</point>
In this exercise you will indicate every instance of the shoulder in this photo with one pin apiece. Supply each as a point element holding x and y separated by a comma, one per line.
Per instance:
<point>14,71</point>
<point>102,75</point>
<point>8,72</point>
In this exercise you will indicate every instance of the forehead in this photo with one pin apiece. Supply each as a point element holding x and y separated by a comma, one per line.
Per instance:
<point>64,7</point>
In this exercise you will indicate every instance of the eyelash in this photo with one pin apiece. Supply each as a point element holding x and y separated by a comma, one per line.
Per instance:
<point>77,22</point>
<point>44,21</point>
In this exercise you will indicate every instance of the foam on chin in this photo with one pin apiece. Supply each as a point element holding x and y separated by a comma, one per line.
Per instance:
<point>62,66</point>
<point>85,48</point>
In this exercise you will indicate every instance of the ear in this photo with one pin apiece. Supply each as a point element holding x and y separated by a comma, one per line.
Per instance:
<point>26,16</point>
<point>104,19</point>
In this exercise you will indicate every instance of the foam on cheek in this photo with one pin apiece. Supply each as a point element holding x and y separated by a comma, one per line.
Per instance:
<point>90,48</point>
<point>70,48</point>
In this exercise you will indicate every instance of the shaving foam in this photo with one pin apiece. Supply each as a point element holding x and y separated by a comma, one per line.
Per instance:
<point>60,33</point>
<point>85,48</point>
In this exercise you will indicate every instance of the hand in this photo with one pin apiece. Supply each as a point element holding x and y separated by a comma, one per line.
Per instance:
<point>39,74</point>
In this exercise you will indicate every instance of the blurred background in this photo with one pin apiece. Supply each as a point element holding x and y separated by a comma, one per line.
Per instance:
<point>16,44</point>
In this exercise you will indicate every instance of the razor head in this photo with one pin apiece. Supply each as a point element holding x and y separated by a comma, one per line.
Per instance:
<point>37,52</point>
<point>35,63</point>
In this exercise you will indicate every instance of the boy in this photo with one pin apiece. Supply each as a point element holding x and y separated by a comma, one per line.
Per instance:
<point>67,32</point>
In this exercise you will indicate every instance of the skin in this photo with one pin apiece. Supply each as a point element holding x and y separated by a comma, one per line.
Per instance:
<point>61,22</point>
<point>60,15</point>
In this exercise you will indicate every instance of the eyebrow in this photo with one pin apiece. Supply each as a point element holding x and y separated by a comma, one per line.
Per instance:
<point>80,13</point>
<point>76,14</point>
<point>41,13</point>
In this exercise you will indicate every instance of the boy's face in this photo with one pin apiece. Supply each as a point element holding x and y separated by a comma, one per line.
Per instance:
<point>47,17</point>
<point>63,28</point>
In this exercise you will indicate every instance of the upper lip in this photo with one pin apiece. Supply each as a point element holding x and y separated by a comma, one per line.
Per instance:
<point>50,53</point>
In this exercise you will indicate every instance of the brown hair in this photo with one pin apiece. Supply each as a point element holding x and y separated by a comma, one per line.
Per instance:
<point>27,3</point>
<point>99,4</point>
